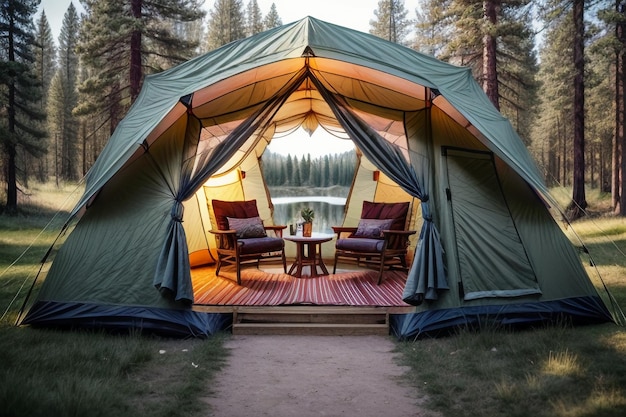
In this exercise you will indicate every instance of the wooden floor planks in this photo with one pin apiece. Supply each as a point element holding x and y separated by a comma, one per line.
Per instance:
<point>271,287</point>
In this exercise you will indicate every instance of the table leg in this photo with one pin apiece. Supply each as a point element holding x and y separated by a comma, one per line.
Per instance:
<point>297,265</point>
<point>308,254</point>
<point>321,260</point>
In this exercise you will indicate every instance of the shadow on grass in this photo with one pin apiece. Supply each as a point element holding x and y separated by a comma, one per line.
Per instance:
<point>555,371</point>
<point>608,260</point>
<point>34,217</point>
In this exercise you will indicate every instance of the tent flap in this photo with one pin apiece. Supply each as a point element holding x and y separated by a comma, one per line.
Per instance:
<point>491,256</point>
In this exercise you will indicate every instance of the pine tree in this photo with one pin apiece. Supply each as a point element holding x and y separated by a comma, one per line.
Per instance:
<point>296,181</point>
<point>325,177</point>
<point>495,39</point>
<point>305,168</point>
<point>254,18</point>
<point>563,12</point>
<point>121,42</point>
<point>272,19</point>
<point>68,78</point>
<point>517,70</point>
<point>599,127</point>
<point>288,169</point>
<point>391,22</point>
<point>618,160</point>
<point>193,32</point>
<point>21,92</point>
<point>612,45</point>
<point>45,66</point>
<point>579,202</point>
<point>431,34</point>
<point>227,23</point>
<point>489,48</point>
<point>56,122</point>
<point>552,132</point>
<point>499,49</point>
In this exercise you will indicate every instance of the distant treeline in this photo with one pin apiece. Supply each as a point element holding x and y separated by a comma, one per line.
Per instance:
<point>326,171</point>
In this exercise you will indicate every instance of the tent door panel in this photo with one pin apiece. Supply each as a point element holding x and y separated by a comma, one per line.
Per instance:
<point>491,257</point>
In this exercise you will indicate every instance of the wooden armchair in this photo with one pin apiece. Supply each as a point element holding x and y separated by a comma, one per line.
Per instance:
<point>380,241</point>
<point>241,237</point>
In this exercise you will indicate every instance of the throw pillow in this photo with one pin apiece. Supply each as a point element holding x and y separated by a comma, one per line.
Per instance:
<point>247,228</point>
<point>372,228</point>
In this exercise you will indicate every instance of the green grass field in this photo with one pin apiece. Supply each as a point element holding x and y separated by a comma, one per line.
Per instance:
<point>556,371</point>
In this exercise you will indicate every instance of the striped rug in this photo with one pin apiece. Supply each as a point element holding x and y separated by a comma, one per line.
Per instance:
<point>272,288</point>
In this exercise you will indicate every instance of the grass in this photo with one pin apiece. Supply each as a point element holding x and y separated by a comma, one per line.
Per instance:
<point>51,373</point>
<point>58,373</point>
<point>557,371</point>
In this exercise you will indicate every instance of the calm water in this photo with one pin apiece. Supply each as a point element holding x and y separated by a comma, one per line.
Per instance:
<point>328,211</point>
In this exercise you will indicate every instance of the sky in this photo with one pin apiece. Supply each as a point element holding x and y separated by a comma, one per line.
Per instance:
<point>354,14</point>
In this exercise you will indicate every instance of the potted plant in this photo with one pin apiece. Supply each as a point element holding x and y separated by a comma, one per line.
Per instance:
<point>307,215</point>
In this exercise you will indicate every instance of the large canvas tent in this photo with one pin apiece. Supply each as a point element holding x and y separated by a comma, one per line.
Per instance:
<point>488,246</point>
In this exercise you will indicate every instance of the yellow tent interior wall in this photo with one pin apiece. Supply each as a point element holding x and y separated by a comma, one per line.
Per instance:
<point>245,182</point>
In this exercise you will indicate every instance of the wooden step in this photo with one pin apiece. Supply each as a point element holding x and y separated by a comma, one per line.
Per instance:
<point>311,329</point>
<point>322,320</point>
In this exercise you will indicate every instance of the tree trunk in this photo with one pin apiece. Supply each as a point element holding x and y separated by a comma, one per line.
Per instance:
<point>11,173</point>
<point>592,159</point>
<point>618,136</point>
<point>579,204</point>
<point>490,74</point>
<point>618,193</point>
<point>135,53</point>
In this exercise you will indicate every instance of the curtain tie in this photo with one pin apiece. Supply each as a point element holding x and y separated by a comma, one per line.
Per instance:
<point>177,211</point>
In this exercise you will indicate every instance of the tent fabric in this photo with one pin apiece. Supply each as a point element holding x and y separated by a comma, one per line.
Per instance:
<point>577,311</point>
<point>195,129</point>
<point>483,225</point>
<point>164,322</point>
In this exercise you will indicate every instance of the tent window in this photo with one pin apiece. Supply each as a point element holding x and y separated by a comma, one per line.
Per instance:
<point>491,256</point>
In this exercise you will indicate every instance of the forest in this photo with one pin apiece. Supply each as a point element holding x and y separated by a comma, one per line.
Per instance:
<point>555,68</point>
<point>289,171</point>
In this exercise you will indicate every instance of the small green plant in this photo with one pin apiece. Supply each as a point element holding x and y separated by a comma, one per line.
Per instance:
<point>307,214</point>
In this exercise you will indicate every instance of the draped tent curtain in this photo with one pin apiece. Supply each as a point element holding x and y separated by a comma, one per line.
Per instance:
<point>427,275</point>
<point>172,276</point>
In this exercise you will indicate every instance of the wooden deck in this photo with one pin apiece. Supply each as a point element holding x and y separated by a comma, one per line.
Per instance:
<point>270,302</point>
<point>269,286</point>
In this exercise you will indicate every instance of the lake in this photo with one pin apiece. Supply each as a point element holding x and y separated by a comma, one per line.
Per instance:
<point>329,211</point>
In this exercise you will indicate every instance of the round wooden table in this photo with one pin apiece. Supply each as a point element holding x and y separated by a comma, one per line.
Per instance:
<point>308,253</point>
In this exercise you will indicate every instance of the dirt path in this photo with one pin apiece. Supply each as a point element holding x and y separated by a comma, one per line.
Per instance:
<point>288,376</point>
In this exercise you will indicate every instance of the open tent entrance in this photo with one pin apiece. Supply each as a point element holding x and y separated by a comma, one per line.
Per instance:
<point>352,285</point>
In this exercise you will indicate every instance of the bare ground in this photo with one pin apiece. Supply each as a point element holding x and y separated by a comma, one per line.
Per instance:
<point>287,376</point>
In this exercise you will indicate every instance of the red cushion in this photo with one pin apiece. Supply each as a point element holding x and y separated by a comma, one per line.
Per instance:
<point>395,211</point>
<point>239,209</point>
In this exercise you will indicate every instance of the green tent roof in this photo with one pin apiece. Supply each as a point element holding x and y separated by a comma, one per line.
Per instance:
<point>373,72</point>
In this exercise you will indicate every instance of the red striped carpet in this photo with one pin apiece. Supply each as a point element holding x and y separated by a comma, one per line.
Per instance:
<point>259,288</point>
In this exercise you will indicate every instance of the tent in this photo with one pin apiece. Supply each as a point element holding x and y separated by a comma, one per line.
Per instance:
<point>488,246</point>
